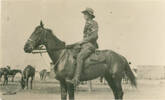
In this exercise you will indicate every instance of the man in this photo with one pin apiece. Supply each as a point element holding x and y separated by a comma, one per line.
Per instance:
<point>88,44</point>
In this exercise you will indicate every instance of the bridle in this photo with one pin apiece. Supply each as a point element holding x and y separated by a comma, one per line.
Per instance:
<point>42,39</point>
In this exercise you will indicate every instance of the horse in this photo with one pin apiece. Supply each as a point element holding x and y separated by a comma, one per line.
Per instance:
<point>28,72</point>
<point>112,67</point>
<point>43,74</point>
<point>13,72</point>
<point>4,72</point>
<point>1,73</point>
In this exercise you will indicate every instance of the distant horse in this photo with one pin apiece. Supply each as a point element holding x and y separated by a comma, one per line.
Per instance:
<point>28,72</point>
<point>1,72</point>
<point>4,72</point>
<point>112,67</point>
<point>43,74</point>
<point>13,72</point>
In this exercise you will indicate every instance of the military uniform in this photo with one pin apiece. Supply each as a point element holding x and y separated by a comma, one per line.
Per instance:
<point>90,37</point>
<point>89,44</point>
<point>91,32</point>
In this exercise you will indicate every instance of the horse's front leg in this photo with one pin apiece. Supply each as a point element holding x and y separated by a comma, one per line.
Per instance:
<point>27,80</point>
<point>7,81</point>
<point>0,77</point>
<point>13,78</point>
<point>63,86</point>
<point>70,88</point>
<point>31,83</point>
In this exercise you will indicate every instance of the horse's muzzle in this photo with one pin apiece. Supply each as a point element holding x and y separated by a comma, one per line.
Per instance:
<point>28,48</point>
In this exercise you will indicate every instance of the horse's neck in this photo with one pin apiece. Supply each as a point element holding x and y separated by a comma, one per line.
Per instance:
<point>54,47</point>
<point>54,55</point>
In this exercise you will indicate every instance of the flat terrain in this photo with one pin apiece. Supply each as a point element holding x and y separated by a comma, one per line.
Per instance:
<point>50,90</point>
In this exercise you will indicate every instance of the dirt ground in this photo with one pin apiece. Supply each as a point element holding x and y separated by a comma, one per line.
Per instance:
<point>50,90</point>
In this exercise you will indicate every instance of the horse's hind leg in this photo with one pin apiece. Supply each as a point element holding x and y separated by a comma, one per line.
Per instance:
<point>119,89</point>
<point>115,85</point>
<point>5,80</point>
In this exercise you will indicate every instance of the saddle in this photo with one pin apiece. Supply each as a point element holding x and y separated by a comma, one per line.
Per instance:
<point>94,58</point>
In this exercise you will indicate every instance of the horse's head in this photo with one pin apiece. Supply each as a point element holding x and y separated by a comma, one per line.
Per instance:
<point>36,39</point>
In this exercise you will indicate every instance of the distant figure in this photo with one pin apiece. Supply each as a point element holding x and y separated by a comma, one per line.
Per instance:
<point>43,74</point>
<point>28,72</point>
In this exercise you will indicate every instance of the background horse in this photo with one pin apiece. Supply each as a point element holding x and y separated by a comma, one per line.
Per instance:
<point>4,72</point>
<point>28,72</point>
<point>13,72</point>
<point>1,73</point>
<point>43,74</point>
<point>112,68</point>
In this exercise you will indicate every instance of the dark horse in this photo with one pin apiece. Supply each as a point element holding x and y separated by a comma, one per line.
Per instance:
<point>28,72</point>
<point>13,72</point>
<point>112,68</point>
<point>1,73</point>
<point>43,74</point>
<point>4,72</point>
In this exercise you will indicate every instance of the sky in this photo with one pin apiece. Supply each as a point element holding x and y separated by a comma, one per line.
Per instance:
<point>132,28</point>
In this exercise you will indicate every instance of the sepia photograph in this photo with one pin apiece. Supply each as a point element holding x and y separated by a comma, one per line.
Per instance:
<point>82,50</point>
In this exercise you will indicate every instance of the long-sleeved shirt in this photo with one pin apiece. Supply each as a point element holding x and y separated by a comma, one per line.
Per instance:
<point>91,32</point>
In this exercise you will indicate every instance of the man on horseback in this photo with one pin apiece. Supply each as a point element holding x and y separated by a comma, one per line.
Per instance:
<point>88,44</point>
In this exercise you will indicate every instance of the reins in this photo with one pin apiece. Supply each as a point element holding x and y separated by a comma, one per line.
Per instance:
<point>59,58</point>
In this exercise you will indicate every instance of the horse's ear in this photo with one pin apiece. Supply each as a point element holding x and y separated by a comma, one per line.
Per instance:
<point>41,24</point>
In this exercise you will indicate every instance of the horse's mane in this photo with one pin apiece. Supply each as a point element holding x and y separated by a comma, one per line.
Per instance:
<point>58,41</point>
<point>50,31</point>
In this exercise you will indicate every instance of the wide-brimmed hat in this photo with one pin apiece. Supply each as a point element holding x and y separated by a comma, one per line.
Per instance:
<point>90,11</point>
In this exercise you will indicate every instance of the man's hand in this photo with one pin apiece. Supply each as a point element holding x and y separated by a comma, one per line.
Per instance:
<point>82,42</point>
<point>77,43</point>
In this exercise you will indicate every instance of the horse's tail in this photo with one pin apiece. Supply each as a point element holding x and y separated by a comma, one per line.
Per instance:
<point>130,74</point>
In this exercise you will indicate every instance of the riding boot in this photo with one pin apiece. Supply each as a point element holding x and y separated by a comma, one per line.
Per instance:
<point>76,78</point>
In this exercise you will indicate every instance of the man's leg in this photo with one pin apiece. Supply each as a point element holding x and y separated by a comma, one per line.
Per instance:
<point>84,53</point>
<point>80,60</point>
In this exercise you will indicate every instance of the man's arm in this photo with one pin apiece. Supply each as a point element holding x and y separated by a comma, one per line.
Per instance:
<point>93,35</point>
